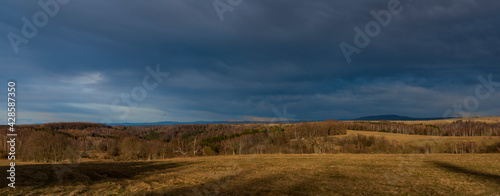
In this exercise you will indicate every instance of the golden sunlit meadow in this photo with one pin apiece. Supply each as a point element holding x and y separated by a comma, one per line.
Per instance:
<point>422,139</point>
<point>409,173</point>
<point>339,174</point>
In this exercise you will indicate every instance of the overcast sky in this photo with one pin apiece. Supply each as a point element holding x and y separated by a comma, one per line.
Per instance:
<point>266,55</point>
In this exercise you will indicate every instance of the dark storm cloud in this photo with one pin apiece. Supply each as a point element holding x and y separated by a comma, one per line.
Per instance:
<point>264,55</point>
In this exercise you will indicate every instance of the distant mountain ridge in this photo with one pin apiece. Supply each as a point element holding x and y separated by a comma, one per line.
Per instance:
<point>396,117</point>
<point>366,118</point>
<point>198,122</point>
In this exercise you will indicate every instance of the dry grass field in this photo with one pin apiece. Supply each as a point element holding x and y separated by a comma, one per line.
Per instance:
<point>277,174</point>
<point>493,119</point>
<point>340,174</point>
<point>422,139</point>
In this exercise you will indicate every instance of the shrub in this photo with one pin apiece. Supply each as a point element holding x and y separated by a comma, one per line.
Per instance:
<point>46,147</point>
<point>207,151</point>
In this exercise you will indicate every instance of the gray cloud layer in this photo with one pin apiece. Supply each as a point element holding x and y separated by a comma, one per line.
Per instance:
<point>264,55</point>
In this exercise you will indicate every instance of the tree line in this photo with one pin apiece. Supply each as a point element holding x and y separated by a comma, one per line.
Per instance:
<point>55,142</point>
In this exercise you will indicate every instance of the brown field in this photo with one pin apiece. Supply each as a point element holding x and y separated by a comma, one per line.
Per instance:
<point>278,174</point>
<point>422,139</point>
<point>338,174</point>
<point>493,119</point>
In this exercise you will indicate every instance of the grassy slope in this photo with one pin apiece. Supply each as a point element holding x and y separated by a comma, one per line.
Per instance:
<point>494,119</point>
<point>345,174</point>
<point>423,139</point>
<point>435,174</point>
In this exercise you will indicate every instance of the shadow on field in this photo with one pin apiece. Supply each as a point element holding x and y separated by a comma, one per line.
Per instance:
<point>41,175</point>
<point>244,183</point>
<point>457,169</point>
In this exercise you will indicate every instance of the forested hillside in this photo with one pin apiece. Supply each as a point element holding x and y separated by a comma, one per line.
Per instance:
<point>55,142</point>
